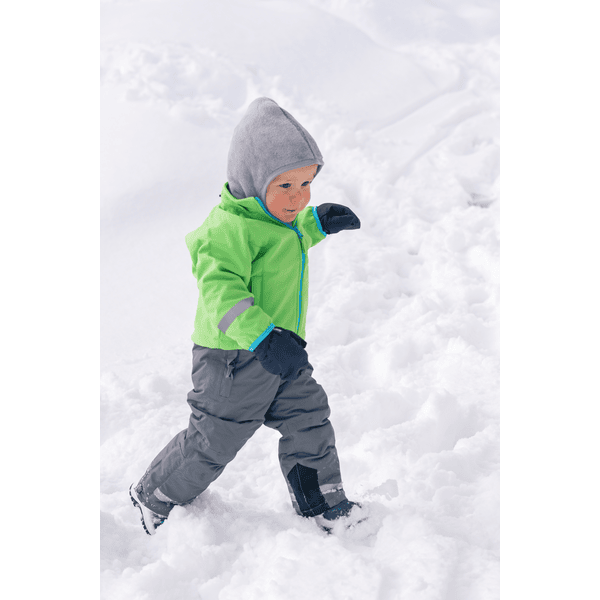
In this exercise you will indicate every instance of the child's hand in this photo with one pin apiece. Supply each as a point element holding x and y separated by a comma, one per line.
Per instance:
<point>335,217</point>
<point>282,353</point>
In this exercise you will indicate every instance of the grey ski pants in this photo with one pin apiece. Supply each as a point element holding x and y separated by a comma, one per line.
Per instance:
<point>233,396</point>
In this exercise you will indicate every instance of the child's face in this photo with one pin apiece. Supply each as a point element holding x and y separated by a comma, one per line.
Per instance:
<point>289,193</point>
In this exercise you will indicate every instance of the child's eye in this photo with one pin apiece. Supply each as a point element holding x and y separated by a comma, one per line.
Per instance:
<point>286,185</point>
<point>306,183</point>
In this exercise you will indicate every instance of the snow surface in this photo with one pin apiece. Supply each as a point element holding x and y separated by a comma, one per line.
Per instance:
<point>402,98</point>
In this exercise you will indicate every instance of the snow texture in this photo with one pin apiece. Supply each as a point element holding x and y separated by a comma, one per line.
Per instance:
<point>402,98</point>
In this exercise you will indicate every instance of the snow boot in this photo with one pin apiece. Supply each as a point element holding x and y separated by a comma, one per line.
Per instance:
<point>150,520</point>
<point>341,512</point>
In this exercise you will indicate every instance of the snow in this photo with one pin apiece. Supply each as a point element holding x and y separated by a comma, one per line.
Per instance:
<point>50,250</point>
<point>154,159</point>
<point>403,324</point>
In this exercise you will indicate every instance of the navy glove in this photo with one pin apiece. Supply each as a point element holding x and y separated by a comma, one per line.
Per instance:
<point>282,353</point>
<point>335,217</point>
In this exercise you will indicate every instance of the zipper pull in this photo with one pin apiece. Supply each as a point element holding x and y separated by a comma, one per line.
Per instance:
<point>230,367</point>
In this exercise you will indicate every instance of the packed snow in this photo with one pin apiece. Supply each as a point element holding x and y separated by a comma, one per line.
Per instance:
<point>402,329</point>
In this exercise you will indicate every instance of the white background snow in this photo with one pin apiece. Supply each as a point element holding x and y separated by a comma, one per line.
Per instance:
<point>403,326</point>
<point>403,318</point>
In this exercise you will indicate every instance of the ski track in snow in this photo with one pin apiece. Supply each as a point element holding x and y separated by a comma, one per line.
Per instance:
<point>403,315</point>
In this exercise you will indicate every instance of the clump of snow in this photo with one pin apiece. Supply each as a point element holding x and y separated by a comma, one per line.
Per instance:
<point>403,314</point>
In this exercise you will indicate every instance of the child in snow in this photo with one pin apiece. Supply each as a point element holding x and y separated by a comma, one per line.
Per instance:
<point>250,365</point>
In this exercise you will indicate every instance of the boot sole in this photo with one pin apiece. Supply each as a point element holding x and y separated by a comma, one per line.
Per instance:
<point>138,505</point>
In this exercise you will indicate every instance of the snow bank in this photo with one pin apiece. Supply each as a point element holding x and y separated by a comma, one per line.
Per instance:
<point>403,319</point>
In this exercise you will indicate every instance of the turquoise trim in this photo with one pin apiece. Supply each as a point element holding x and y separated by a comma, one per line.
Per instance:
<point>300,299</point>
<point>278,220</point>
<point>273,217</point>
<point>300,236</point>
<point>261,337</point>
<point>316,216</point>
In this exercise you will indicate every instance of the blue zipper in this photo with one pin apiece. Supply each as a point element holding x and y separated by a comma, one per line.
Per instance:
<point>300,236</point>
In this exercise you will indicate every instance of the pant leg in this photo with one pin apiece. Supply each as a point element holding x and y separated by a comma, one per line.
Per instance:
<point>232,392</point>
<point>307,453</point>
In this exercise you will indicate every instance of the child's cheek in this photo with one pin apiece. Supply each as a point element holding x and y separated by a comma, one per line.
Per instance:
<point>278,199</point>
<point>283,199</point>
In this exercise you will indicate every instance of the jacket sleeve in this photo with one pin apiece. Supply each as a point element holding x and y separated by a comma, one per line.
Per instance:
<point>309,224</point>
<point>222,264</point>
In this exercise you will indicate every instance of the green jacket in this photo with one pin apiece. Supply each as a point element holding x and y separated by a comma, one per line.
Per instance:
<point>252,272</point>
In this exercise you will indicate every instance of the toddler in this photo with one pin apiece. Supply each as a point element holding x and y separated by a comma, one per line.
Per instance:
<point>250,366</point>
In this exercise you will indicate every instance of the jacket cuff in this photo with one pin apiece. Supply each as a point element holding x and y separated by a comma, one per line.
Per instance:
<point>261,337</point>
<point>316,216</point>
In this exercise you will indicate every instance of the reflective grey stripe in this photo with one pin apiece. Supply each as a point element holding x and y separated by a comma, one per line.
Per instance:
<point>330,488</point>
<point>235,312</point>
<point>163,497</point>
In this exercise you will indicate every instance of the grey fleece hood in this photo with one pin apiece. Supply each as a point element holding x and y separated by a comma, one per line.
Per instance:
<point>267,142</point>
